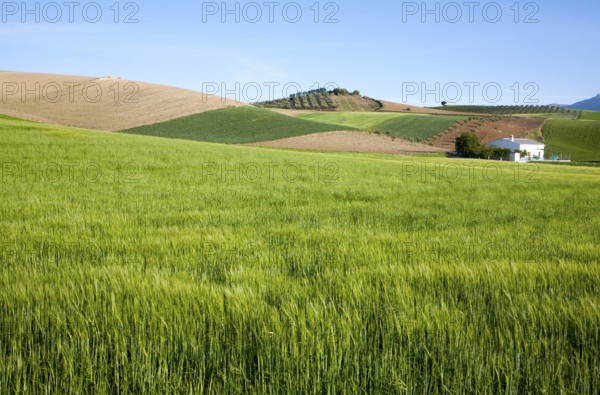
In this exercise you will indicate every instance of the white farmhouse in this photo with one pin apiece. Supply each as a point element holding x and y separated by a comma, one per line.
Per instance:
<point>535,150</point>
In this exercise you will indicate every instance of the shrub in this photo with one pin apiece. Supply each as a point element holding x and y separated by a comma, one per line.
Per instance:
<point>468,145</point>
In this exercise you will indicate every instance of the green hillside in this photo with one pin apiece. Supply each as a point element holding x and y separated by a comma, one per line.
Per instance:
<point>131,264</point>
<point>235,125</point>
<point>580,139</point>
<point>590,115</point>
<point>419,127</point>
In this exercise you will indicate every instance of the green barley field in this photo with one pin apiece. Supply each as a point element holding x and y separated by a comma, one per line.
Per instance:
<point>235,125</point>
<point>401,125</point>
<point>590,115</point>
<point>579,138</point>
<point>133,264</point>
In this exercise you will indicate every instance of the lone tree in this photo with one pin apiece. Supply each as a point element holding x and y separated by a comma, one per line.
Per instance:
<point>444,103</point>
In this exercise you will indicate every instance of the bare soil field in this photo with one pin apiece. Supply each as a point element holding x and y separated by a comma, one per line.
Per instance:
<point>488,131</point>
<point>105,103</point>
<point>352,142</point>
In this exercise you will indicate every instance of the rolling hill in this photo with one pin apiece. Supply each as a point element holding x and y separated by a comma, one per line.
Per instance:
<point>114,104</point>
<point>107,103</point>
<point>236,125</point>
<point>322,100</point>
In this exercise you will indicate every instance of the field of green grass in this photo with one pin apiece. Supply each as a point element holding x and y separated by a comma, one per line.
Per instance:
<point>360,120</point>
<point>580,138</point>
<point>418,127</point>
<point>131,264</point>
<point>235,125</point>
<point>590,115</point>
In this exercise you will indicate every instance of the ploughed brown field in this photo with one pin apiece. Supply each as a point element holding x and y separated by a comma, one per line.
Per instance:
<point>352,142</point>
<point>105,103</point>
<point>489,131</point>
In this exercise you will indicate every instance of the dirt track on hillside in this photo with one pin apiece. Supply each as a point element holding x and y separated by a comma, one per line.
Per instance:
<point>106,103</point>
<point>352,142</point>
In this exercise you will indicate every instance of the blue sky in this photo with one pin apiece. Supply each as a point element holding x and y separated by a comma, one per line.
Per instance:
<point>383,48</point>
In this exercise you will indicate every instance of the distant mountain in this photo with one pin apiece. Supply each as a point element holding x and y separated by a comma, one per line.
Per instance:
<point>590,104</point>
